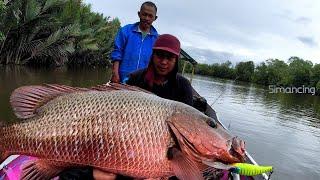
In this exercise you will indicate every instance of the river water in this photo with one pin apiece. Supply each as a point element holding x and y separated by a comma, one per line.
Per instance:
<point>282,130</point>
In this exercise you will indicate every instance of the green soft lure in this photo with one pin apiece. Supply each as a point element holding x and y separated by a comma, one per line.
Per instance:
<point>241,168</point>
<point>250,169</point>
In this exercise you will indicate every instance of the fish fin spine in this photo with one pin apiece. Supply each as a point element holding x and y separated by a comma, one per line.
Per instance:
<point>116,86</point>
<point>40,169</point>
<point>27,99</point>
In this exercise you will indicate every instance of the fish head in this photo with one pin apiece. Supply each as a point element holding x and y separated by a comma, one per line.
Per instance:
<point>205,140</point>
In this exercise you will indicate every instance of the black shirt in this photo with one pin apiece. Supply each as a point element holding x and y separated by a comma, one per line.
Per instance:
<point>178,89</point>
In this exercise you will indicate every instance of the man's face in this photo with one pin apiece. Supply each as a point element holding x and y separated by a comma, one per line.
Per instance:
<point>147,15</point>
<point>164,62</point>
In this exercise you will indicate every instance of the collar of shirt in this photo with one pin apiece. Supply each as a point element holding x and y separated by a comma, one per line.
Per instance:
<point>139,30</point>
<point>152,31</point>
<point>144,34</point>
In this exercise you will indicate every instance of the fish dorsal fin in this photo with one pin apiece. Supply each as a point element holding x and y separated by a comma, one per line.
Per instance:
<point>116,87</point>
<point>27,99</point>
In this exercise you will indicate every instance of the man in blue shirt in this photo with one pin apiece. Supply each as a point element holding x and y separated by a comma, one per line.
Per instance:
<point>133,44</point>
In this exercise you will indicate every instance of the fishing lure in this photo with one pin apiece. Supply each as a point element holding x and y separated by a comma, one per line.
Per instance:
<point>245,169</point>
<point>250,169</point>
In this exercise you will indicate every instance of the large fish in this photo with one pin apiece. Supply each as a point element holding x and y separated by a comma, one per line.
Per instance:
<point>115,128</point>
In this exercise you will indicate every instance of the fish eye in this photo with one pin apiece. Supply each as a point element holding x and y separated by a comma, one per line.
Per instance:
<point>212,123</point>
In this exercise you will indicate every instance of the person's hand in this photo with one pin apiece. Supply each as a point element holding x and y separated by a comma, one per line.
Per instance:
<point>115,78</point>
<point>102,175</point>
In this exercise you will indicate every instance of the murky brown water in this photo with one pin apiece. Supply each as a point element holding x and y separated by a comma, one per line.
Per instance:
<point>13,77</point>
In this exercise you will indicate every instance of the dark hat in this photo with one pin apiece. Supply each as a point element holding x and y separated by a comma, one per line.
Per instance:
<point>168,43</point>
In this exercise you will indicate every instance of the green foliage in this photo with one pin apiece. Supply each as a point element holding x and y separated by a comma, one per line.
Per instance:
<point>261,74</point>
<point>223,70</point>
<point>299,72</point>
<point>32,10</point>
<point>276,72</point>
<point>315,75</point>
<point>188,66</point>
<point>2,5</point>
<point>1,37</point>
<point>54,32</point>
<point>244,71</point>
<point>2,8</point>
<point>318,87</point>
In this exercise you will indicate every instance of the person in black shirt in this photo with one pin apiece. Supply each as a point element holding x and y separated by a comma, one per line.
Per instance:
<point>161,76</point>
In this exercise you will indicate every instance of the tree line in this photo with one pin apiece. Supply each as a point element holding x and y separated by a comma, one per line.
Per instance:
<point>57,32</point>
<point>54,32</point>
<point>297,72</point>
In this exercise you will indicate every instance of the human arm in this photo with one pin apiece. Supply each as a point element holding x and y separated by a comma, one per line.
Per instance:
<point>117,54</point>
<point>115,78</point>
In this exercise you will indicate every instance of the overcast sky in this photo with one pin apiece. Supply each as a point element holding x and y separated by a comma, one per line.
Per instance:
<point>219,30</point>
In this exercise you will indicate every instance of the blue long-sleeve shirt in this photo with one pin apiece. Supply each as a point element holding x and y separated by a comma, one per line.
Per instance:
<point>132,50</point>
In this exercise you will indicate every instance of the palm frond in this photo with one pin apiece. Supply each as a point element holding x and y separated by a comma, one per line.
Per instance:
<point>56,42</point>
<point>51,4</point>
<point>33,9</point>
<point>1,36</point>
<point>29,46</point>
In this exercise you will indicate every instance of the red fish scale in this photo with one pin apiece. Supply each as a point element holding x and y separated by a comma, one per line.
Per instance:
<point>118,131</point>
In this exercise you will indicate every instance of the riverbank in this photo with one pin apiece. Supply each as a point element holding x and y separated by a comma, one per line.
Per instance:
<point>295,76</point>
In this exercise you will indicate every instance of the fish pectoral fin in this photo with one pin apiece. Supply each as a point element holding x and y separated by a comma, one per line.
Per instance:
<point>40,169</point>
<point>183,167</point>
